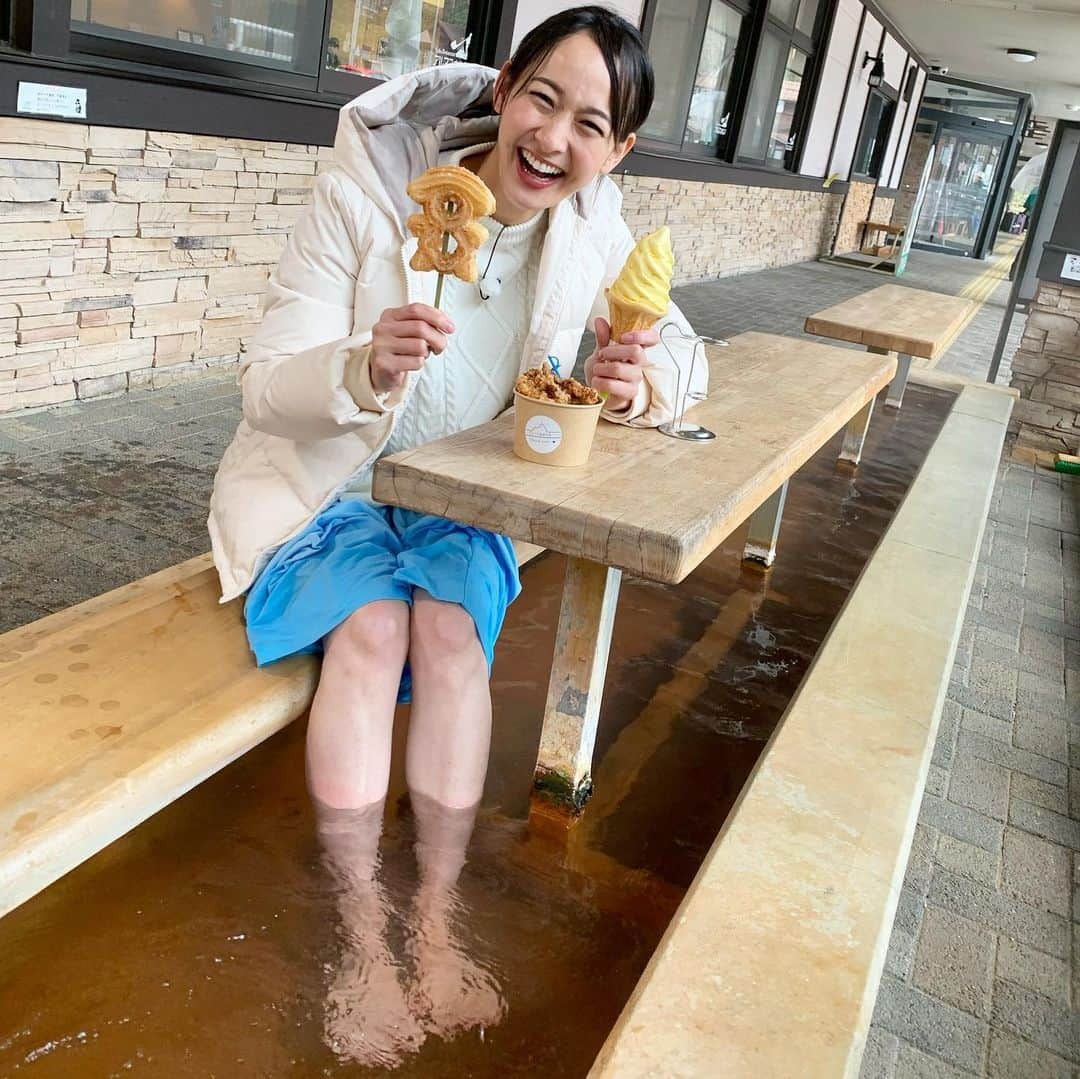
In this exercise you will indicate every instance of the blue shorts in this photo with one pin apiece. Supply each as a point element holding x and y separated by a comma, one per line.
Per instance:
<point>354,553</point>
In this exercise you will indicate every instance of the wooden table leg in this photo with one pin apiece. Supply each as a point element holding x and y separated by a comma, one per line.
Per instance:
<point>895,397</point>
<point>765,527</point>
<point>579,666</point>
<point>855,434</point>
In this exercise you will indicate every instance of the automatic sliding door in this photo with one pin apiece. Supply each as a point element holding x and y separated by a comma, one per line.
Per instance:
<point>961,183</point>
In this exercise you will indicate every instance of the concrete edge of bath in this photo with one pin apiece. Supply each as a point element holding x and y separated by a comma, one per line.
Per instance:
<point>771,965</point>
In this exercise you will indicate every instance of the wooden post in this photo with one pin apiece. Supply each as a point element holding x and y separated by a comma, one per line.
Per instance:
<point>855,434</point>
<point>765,527</point>
<point>579,666</point>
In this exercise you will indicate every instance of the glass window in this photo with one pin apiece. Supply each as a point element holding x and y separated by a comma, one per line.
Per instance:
<point>971,101</point>
<point>383,39</point>
<point>707,121</point>
<point>874,136</point>
<point>808,10</point>
<point>783,10</point>
<point>268,33</point>
<point>705,90</point>
<point>672,40</point>
<point>769,131</point>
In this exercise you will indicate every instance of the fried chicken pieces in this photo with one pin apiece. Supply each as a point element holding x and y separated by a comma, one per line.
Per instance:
<point>542,384</point>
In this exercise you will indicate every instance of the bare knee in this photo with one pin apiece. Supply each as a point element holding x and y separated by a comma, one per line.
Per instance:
<point>376,633</point>
<point>443,636</point>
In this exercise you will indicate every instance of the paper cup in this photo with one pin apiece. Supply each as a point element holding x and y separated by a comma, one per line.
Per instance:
<point>553,434</point>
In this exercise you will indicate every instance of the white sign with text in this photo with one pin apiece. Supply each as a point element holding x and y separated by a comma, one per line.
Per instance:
<point>43,100</point>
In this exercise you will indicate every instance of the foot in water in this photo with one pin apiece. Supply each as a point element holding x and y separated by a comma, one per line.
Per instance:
<point>367,1018</point>
<point>451,991</point>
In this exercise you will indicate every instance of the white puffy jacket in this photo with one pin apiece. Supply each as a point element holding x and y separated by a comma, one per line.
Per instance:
<point>311,417</point>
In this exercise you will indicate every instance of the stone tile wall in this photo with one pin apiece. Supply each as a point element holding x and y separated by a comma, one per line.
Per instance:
<point>719,230</point>
<point>881,209</point>
<point>856,209</point>
<point>133,258</point>
<point>909,180</point>
<point>1046,370</point>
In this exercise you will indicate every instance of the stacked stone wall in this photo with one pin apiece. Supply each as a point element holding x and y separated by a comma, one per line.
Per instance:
<point>856,209</point>
<point>719,230</point>
<point>918,150</point>
<point>133,258</point>
<point>1046,370</point>
<point>881,210</point>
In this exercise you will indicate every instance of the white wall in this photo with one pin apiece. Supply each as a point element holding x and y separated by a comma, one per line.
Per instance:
<point>905,137</point>
<point>899,117</point>
<point>844,70</point>
<point>532,13</point>
<point>830,95</point>
<point>858,89</point>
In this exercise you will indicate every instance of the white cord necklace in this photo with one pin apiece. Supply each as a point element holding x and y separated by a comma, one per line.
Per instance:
<point>494,286</point>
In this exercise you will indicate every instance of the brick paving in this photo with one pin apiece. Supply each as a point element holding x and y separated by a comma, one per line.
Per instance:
<point>983,969</point>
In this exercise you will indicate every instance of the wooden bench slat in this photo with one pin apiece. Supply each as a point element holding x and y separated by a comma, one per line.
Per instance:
<point>119,705</point>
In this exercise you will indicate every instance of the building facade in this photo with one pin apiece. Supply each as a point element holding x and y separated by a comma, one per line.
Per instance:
<point>154,155</point>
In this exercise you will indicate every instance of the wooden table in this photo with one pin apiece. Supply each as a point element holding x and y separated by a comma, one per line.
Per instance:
<point>644,503</point>
<point>892,318</point>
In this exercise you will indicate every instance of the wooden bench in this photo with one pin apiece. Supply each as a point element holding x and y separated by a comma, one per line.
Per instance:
<point>117,706</point>
<point>644,503</point>
<point>894,237</point>
<point>892,318</point>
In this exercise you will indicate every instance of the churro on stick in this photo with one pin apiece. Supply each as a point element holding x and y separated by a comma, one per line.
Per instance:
<point>448,235</point>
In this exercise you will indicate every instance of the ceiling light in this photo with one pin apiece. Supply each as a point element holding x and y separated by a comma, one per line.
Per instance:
<point>1073,108</point>
<point>1021,56</point>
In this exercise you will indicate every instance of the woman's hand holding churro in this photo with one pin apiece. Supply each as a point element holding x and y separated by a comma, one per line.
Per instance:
<point>402,340</point>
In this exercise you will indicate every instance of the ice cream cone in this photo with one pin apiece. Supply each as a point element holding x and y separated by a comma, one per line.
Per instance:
<point>626,318</point>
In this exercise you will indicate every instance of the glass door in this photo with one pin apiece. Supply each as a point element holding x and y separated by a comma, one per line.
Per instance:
<point>958,194</point>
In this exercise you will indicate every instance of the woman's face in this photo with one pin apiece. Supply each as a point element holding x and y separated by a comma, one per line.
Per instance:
<point>555,134</point>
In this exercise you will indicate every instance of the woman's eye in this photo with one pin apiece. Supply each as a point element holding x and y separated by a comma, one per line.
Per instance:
<point>542,98</point>
<point>592,128</point>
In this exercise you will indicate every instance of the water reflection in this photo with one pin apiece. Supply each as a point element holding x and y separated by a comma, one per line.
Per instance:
<point>381,1007</point>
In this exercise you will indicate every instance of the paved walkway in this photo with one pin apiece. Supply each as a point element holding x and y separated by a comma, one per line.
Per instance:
<point>982,973</point>
<point>983,970</point>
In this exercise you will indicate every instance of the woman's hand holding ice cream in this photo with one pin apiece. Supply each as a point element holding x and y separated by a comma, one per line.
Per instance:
<point>402,340</point>
<point>637,299</point>
<point>616,368</point>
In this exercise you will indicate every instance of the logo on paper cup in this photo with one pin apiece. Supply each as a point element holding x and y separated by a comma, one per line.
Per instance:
<point>543,434</point>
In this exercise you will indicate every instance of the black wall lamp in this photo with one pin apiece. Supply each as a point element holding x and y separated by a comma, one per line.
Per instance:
<point>877,72</point>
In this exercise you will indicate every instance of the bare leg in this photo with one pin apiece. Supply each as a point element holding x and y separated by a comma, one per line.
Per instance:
<point>366,1019</point>
<point>450,722</point>
<point>445,763</point>
<point>352,716</point>
<point>453,991</point>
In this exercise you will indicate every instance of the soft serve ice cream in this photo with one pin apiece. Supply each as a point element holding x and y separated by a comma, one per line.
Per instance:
<point>642,292</point>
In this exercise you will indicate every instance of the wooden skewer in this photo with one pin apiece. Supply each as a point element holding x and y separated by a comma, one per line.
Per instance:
<point>451,207</point>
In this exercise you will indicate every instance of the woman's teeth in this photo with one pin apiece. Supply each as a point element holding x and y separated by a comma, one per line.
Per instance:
<point>534,164</point>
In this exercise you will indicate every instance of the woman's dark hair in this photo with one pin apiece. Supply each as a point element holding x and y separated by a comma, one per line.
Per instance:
<point>619,43</point>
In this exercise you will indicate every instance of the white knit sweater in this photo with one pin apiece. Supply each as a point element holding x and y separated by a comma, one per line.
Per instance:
<point>473,380</point>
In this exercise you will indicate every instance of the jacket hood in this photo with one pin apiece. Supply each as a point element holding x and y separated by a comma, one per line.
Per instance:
<point>397,130</point>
